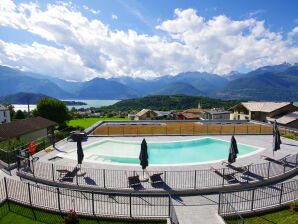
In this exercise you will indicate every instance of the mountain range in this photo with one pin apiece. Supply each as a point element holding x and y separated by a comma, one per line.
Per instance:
<point>271,83</point>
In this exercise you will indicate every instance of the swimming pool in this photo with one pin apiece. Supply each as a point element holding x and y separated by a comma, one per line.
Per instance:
<point>182,152</point>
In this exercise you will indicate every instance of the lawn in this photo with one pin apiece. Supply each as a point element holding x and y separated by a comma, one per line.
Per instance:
<point>24,215</point>
<point>285,216</point>
<point>87,122</point>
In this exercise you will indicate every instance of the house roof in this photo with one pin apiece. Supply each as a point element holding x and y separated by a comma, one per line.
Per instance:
<point>285,119</point>
<point>162,113</point>
<point>195,110</point>
<point>22,127</point>
<point>191,115</point>
<point>217,112</point>
<point>2,107</point>
<point>266,107</point>
<point>144,111</point>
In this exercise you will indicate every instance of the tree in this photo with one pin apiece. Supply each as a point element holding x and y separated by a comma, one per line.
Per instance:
<point>54,110</point>
<point>19,115</point>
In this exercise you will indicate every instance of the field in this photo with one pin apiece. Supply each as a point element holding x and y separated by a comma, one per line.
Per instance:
<point>87,122</point>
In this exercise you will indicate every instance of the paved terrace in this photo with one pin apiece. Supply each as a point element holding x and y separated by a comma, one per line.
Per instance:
<point>177,177</point>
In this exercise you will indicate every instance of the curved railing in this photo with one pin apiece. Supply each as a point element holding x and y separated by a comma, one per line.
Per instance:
<point>89,203</point>
<point>232,204</point>
<point>188,180</point>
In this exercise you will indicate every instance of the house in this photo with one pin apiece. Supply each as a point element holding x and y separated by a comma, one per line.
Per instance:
<point>146,114</point>
<point>215,115</point>
<point>4,114</point>
<point>191,114</point>
<point>290,119</point>
<point>30,129</point>
<point>164,114</point>
<point>285,112</point>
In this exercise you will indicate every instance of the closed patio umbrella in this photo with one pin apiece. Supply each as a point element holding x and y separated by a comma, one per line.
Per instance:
<point>80,152</point>
<point>276,142</point>
<point>233,150</point>
<point>143,155</point>
<point>276,131</point>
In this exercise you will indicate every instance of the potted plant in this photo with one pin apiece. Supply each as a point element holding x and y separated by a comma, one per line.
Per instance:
<point>294,206</point>
<point>71,218</point>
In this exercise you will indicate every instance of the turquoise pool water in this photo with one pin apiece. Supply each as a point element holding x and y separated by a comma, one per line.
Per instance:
<point>183,152</point>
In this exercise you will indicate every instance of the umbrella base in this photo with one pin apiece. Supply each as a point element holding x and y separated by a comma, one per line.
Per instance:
<point>144,179</point>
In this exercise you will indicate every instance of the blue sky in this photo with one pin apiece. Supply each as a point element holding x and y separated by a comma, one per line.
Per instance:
<point>83,39</point>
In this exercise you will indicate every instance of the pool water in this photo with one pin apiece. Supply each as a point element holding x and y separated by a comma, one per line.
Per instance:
<point>183,152</point>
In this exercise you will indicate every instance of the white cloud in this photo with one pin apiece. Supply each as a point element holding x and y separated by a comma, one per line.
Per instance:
<point>114,16</point>
<point>93,11</point>
<point>89,48</point>
<point>256,12</point>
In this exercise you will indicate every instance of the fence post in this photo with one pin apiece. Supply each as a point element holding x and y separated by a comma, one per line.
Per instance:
<point>268,170</point>
<point>93,203</point>
<point>169,205</point>
<point>252,200</point>
<point>104,178</point>
<point>58,194</point>
<point>130,212</point>
<point>29,193</point>
<point>53,174</point>
<point>281,192</point>
<point>195,184</point>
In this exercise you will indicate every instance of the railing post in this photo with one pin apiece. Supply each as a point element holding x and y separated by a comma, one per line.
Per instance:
<point>165,176</point>
<point>268,172</point>
<point>32,166</point>
<point>195,183</point>
<point>219,202</point>
<point>130,212</point>
<point>281,192</point>
<point>29,194</point>
<point>252,200</point>
<point>58,194</point>
<point>5,185</point>
<point>169,205</point>
<point>104,178</point>
<point>223,175</point>
<point>77,176</point>
<point>6,191</point>
<point>53,173</point>
<point>93,203</point>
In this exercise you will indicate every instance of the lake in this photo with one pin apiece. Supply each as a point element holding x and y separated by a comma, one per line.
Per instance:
<point>90,103</point>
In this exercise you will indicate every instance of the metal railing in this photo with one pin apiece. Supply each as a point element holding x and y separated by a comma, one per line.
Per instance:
<point>171,180</point>
<point>90,203</point>
<point>228,213</point>
<point>231,204</point>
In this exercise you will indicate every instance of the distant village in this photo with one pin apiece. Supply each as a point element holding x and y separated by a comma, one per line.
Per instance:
<point>284,113</point>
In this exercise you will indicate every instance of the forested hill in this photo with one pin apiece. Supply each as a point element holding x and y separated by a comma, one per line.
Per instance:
<point>169,102</point>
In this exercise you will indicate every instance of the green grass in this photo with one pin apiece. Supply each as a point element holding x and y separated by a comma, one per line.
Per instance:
<point>13,213</point>
<point>285,216</point>
<point>291,136</point>
<point>87,122</point>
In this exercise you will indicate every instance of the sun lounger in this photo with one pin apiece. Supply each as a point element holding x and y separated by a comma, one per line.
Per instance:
<point>237,167</point>
<point>282,160</point>
<point>227,174</point>
<point>133,181</point>
<point>156,178</point>
<point>63,174</point>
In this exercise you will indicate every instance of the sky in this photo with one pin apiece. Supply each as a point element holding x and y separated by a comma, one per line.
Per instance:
<point>82,39</point>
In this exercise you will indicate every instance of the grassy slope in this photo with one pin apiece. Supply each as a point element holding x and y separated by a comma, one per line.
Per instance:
<point>25,215</point>
<point>281,217</point>
<point>87,122</point>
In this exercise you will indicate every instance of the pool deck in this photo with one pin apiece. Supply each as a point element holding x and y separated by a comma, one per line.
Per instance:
<point>261,141</point>
<point>198,208</point>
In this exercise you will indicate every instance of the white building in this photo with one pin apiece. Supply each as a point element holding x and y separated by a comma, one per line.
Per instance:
<point>4,114</point>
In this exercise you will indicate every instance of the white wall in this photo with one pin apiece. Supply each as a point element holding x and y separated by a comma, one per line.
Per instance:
<point>35,135</point>
<point>4,116</point>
